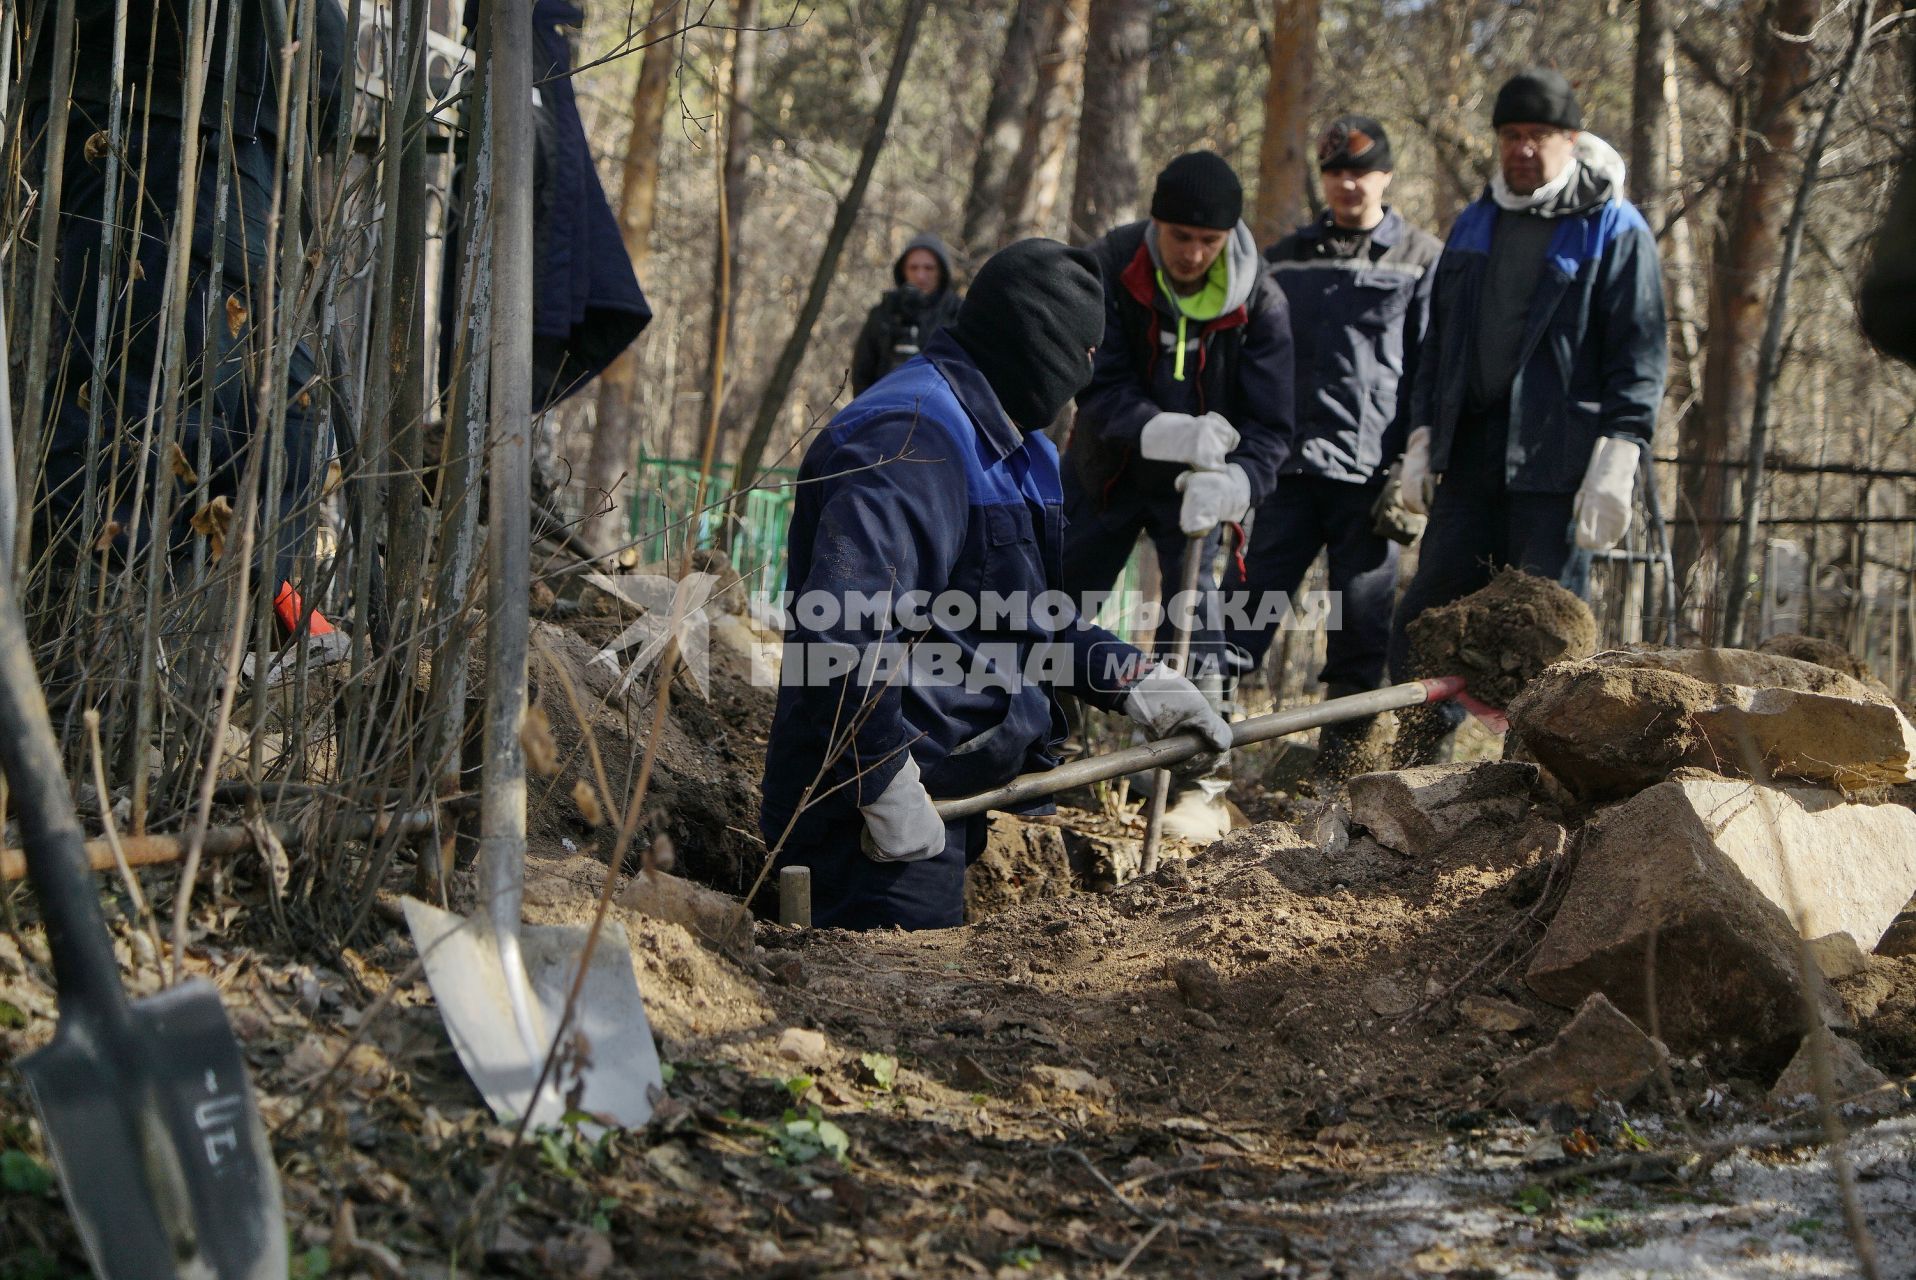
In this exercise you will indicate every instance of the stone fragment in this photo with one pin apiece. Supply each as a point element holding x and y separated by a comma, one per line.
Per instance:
<point>1415,811</point>
<point>1197,983</point>
<point>1693,868</point>
<point>1838,956</point>
<point>1022,862</point>
<point>1389,998</point>
<point>802,1044</point>
<point>1600,1051</point>
<point>718,921</point>
<point>1616,723</point>
<point>1859,1087</point>
<point>1071,1080</point>
<point>1900,938</point>
<point>1487,1013</point>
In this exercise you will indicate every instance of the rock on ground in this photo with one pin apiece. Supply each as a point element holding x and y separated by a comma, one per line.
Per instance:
<point>1824,653</point>
<point>1022,861</point>
<point>718,921</point>
<point>1858,1086</point>
<point>1415,810</point>
<point>1679,896</point>
<point>1614,724</point>
<point>1503,636</point>
<point>1600,1051</point>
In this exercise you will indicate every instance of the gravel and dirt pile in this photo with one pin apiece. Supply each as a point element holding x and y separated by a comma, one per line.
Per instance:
<point>1502,637</point>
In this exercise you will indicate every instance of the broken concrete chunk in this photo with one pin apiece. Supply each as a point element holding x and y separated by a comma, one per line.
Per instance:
<point>1614,724</point>
<point>1487,1013</point>
<point>1600,1051</point>
<point>1416,811</point>
<point>1859,1087</point>
<point>1682,895</point>
<point>718,921</point>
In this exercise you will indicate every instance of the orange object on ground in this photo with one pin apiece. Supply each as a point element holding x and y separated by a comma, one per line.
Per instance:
<point>290,610</point>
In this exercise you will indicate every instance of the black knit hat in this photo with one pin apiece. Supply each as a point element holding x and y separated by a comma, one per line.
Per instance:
<point>1537,96</point>
<point>1034,312</point>
<point>1198,189</point>
<point>1354,142</point>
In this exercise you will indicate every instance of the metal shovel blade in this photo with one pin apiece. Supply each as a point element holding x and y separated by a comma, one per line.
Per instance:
<point>467,971</point>
<point>162,1159</point>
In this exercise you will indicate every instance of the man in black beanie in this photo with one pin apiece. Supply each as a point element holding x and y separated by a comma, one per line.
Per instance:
<point>1541,373</point>
<point>1358,283</point>
<point>1188,417</point>
<point>927,624</point>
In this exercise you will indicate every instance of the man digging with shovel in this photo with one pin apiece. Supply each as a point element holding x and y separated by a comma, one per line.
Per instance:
<point>928,628</point>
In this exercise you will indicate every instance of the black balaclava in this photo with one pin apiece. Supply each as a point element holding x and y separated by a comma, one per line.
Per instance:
<point>1537,96</point>
<point>1034,312</point>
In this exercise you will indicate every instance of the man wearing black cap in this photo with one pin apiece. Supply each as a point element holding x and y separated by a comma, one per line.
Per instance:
<point>1188,417</point>
<point>928,625</point>
<point>1358,283</point>
<point>1541,372</point>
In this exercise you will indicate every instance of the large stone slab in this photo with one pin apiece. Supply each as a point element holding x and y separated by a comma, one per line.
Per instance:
<point>1692,896</point>
<point>1023,860</point>
<point>1600,1052</point>
<point>1416,811</point>
<point>1611,725</point>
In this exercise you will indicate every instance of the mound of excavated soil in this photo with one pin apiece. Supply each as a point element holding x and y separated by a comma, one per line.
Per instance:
<point>1502,637</point>
<point>1815,649</point>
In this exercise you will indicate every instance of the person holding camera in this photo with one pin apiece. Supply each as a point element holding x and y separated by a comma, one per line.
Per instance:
<point>905,318</point>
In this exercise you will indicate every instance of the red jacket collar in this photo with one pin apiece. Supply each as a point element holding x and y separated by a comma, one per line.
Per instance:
<point>1140,281</point>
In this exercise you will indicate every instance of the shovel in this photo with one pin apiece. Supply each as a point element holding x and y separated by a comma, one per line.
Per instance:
<point>1180,653</point>
<point>1028,788</point>
<point>503,989</point>
<point>146,1104</point>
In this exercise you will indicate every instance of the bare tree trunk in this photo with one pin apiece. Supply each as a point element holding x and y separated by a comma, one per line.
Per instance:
<point>1681,275</point>
<point>780,383</point>
<point>1769,355</point>
<point>1283,156</point>
<point>618,401</point>
<point>1037,177</point>
<point>738,139</point>
<point>1002,135</point>
<point>1105,191</point>
<point>1749,241</point>
<point>1650,112</point>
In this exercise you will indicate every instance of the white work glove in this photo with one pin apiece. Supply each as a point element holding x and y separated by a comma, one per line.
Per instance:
<point>1164,702</point>
<point>1416,485</point>
<point>1212,498</point>
<point>1203,443</point>
<point>901,825</point>
<point>1602,508</point>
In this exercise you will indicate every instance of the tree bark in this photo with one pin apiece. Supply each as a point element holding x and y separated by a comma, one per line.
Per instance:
<point>1283,160</point>
<point>1650,112</point>
<point>618,400</point>
<point>738,138</point>
<point>1749,241</point>
<point>779,385</point>
<point>1105,191</point>
<point>1002,134</point>
<point>1037,177</point>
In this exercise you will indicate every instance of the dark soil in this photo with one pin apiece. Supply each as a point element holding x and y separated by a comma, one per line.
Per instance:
<point>1502,637</point>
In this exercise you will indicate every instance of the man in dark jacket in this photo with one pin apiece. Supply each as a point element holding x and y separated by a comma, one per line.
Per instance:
<point>93,432</point>
<point>927,626</point>
<point>1542,369</point>
<point>922,302</point>
<point>1188,418</point>
<point>1358,283</point>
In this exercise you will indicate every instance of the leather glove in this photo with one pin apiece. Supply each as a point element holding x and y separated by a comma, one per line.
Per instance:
<point>1202,443</point>
<point>1602,508</point>
<point>1212,498</point>
<point>1164,702</point>
<point>1417,485</point>
<point>901,825</point>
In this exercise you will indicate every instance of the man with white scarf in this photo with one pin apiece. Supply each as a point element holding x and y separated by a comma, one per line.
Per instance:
<point>1542,368</point>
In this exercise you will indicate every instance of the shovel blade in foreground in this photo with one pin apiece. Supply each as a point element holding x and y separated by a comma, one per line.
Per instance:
<point>163,1161</point>
<point>468,978</point>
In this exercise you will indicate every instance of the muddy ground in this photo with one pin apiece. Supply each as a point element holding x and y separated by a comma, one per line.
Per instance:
<point>1266,1060</point>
